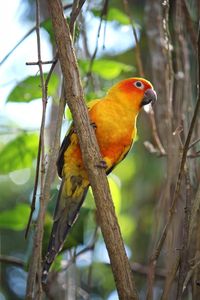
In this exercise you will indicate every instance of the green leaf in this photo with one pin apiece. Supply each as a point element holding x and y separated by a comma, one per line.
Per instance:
<point>114,14</point>
<point>19,153</point>
<point>47,25</point>
<point>15,218</point>
<point>30,89</point>
<point>105,68</point>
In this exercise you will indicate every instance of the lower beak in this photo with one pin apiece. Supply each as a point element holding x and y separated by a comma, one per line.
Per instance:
<point>150,96</point>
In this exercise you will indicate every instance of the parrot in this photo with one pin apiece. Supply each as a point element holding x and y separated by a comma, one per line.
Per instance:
<point>114,120</point>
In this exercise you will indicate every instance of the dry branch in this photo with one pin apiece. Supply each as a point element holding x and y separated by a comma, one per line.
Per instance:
<point>91,155</point>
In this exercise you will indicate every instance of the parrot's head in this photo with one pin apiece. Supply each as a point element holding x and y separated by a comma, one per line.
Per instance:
<point>136,91</point>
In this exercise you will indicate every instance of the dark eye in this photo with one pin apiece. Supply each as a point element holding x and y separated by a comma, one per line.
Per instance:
<point>139,85</point>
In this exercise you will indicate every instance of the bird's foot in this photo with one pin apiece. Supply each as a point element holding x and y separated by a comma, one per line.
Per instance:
<point>102,164</point>
<point>93,124</point>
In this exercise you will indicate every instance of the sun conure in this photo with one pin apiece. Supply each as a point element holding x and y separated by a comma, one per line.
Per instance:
<point>114,119</point>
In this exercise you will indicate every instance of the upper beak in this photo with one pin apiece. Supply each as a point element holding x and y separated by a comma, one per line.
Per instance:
<point>150,96</point>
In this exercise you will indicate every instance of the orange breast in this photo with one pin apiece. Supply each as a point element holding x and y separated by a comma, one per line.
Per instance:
<point>114,129</point>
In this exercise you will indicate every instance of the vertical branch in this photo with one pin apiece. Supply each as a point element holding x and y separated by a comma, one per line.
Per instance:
<point>184,265</point>
<point>36,258</point>
<point>52,157</point>
<point>91,156</point>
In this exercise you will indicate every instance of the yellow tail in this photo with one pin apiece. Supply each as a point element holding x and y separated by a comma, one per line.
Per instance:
<point>70,199</point>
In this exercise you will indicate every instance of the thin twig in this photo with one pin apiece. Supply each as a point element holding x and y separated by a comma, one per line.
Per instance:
<point>194,143</point>
<point>137,45</point>
<point>36,63</point>
<point>90,271</point>
<point>67,6</point>
<point>55,60</point>
<point>183,270</point>
<point>103,14</point>
<point>76,8</point>
<point>11,260</point>
<point>89,247</point>
<point>17,45</point>
<point>190,273</point>
<point>51,71</point>
<point>36,261</point>
<point>44,104</point>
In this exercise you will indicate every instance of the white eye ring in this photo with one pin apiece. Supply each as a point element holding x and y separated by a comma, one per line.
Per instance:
<point>139,85</point>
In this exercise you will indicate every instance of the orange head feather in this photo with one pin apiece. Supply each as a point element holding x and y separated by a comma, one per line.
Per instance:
<point>135,91</point>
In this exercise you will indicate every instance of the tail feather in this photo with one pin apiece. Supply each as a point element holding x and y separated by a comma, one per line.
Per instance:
<point>66,212</point>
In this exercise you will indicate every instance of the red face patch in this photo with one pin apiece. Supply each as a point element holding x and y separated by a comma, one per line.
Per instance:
<point>135,84</point>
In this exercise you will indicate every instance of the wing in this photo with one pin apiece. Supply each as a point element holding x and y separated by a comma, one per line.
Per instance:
<point>67,140</point>
<point>65,144</point>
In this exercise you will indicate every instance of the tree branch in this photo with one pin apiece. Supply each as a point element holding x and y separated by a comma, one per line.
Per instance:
<point>11,260</point>
<point>36,258</point>
<point>91,155</point>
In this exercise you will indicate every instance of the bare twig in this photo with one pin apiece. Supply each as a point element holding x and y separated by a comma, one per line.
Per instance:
<point>67,6</point>
<point>190,273</point>
<point>170,276</point>
<point>89,247</point>
<point>184,251</point>
<point>36,63</point>
<point>44,93</point>
<point>76,8</point>
<point>137,45</point>
<point>17,45</point>
<point>194,143</point>
<point>103,14</point>
<point>91,155</point>
<point>15,261</point>
<point>37,250</point>
<point>44,105</point>
<point>155,132</point>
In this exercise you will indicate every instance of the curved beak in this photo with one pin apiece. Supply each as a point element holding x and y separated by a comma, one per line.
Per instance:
<point>150,96</point>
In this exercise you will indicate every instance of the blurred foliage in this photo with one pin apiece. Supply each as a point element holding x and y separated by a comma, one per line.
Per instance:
<point>15,218</point>
<point>105,68</point>
<point>30,89</point>
<point>19,153</point>
<point>114,14</point>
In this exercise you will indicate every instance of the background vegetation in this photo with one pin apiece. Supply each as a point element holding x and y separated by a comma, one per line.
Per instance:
<point>151,189</point>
